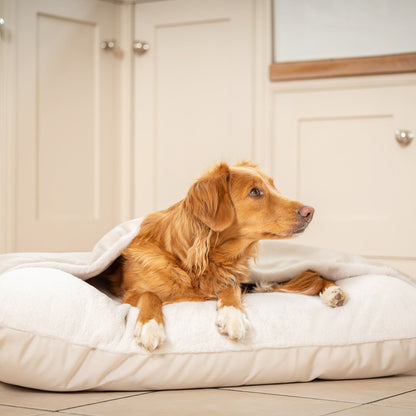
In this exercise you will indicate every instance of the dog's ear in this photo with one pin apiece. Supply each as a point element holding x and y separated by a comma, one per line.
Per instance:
<point>209,198</point>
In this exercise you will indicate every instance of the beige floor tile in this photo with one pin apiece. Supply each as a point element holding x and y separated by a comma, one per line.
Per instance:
<point>55,413</point>
<point>407,400</point>
<point>355,391</point>
<point>16,411</point>
<point>18,396</point>
<point>372,410</point>
<point>52,413</point>
<point>211,402</point>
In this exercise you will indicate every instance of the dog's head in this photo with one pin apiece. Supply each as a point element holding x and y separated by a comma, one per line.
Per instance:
<point>243,197</point>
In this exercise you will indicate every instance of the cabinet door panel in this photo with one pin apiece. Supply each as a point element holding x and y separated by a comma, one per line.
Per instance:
<point>193,94</point>
<point>336,150</point>
<point>65,119</point>
<point>65,131</point>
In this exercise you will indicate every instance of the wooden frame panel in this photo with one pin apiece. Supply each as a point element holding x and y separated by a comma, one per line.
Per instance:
<point>328,68</point>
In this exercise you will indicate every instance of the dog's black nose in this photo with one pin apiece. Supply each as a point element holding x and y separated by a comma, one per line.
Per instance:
<point>306,213</point>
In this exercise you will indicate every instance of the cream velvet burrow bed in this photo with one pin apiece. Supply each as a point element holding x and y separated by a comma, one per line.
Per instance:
<point>59,332</point>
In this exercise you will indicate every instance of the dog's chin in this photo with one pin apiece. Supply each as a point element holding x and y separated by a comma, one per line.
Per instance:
<point>283,235</point>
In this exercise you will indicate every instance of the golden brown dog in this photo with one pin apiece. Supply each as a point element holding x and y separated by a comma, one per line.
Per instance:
<point>200,248</point>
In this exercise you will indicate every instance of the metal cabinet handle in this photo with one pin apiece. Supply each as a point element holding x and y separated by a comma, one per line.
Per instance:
<point>404,137</point>
<point>4,35</point>
<point>108,45</point>
<point>140,47</point>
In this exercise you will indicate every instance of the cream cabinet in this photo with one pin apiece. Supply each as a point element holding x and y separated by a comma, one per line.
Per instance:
<point>335,147</point>
<point>95,134</point>
<point>60,128</point>
<point>100,134</point>
<point>194,94</point>
<point>72,166</point>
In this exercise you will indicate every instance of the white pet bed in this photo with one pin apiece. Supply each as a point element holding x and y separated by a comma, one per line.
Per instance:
<point>58,332</point>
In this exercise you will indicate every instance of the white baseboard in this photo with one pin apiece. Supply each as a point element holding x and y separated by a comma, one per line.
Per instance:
<point>406,266</point>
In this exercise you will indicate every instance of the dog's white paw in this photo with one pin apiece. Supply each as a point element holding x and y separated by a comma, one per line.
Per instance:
<point>333,296</point>
<point>150,335</point>
<point>232,322</point>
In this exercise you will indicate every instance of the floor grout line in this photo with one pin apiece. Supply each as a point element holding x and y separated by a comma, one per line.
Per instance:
<point>390,397</point>
<point>72,414</point>
<point>104,401</point>
<point>342,410</point>
<point>72,407</point>
<point>289,395</point>
<point>372,402</point>
<point>26,408</point>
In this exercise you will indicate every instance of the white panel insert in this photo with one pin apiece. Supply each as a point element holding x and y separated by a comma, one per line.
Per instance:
<point>67,131</point>
<point>193,105</point>
<point>351,181</point>
<point>193,94</point>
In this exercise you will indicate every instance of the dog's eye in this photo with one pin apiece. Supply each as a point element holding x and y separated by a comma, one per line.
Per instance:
<point>256,193</point>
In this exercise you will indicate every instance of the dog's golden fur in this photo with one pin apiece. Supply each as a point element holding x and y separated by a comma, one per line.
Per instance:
<point>200,248</point>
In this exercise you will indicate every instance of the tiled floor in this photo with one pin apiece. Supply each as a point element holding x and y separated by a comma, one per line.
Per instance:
<point>390,396</point>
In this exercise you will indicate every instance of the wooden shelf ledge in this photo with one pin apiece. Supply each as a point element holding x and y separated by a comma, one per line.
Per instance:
<point>344,67</point>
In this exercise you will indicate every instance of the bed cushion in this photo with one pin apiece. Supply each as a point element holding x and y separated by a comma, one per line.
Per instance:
<point>60,333</point>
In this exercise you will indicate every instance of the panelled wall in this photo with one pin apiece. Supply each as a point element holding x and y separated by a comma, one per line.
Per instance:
<point>95,129</point>
<point>193,94</point>
<point>62,178</point>
<point>202,95</point>
<point>335,147</point>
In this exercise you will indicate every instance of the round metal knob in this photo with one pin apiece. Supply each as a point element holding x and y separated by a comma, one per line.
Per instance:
<point>2,22</point>
<point>108,44</point>
<point>404,137</point>
<point>140,47</point>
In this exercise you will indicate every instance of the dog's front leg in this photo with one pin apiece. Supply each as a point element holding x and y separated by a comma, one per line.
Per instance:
<point>231,318</point>
<point>149,330</point>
